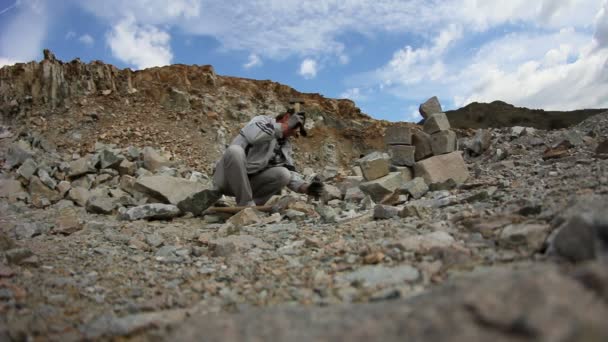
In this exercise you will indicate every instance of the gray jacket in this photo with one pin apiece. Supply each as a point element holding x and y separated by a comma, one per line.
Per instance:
<point>259,138</point>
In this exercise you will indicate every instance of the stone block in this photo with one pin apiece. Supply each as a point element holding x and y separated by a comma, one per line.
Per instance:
<point>402,155</point>
<point>431,106</point>
<point>416,188</point>
<point>375,165</point>
<point>436,122</point>
<point>398,135</point>
<point>440,168</point>
<point>443,142</point>
<point>379,188</point>
<point>422,143</point>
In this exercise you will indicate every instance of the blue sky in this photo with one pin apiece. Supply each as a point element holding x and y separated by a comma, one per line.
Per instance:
<point>386,55</point>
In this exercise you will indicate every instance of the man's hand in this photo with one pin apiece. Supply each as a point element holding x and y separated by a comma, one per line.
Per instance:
<point>315,189</point>
<point>295,120</point>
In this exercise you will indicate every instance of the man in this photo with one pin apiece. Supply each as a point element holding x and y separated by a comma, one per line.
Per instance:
<point>258,162</point>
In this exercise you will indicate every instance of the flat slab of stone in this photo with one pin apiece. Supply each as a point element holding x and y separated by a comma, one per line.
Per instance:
<point>152,211</point>
<point>170,190</point>
<point>398,135</point>
<point>439,169</point>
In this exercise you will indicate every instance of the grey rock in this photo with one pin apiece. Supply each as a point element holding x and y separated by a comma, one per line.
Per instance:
<point>46,179</point>
<point>429,107</point>
<point>416,188</point>
<point>328,214</point>
<point>170,190</point>
<point>481,141</point>
<point>374,165</point>
<point>402,155</point>
<point>81,167</point>
<point>79,195</point>
<point>37,188</point>
<point>443,142</point>
<point>198,202</point>
<point>27,169</point>
<point>100,204</point>
<point>422,143</point>
<point>154,211</point>
<point>28,230</point>
<point>582,237</point>
<point>331,192</point>
<point>435,123</point>
<point>127,167</point>
<point>441,168</point>
<point>381,275</point>
<point>384,212</point>
<point>378,189</point>
<point>153,161</point>
<point>233,243</point>
<point>18,153</point>
<point>109,159</point>
<point>10,187</point>
<point>397,135</point>
<point>155,240</point>
<point>354,195</point>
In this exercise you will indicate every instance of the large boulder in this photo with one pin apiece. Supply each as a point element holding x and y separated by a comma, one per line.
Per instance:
<point>440,168</point>
<point>431,106</point>
<point>374,165</point>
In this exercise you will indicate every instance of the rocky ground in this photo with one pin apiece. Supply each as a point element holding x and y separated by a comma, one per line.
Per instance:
<point>102,236</point>
<point>515,252</point>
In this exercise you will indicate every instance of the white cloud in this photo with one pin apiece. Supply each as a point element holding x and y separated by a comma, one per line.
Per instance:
<point>70,35</point>
<point>601,26</point>
<point>7,61</point>
<point>143,46</point>
<point>308,68</point>
<point>22,37</point>
<point>253,61</point>
<point>86,39</point>
<point>355,94</point>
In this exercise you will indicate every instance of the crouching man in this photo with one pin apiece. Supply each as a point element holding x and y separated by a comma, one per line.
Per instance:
<point>258,162</point>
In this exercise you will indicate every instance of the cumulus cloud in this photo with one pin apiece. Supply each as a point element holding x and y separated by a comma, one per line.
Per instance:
<point>308,68</point>
<point>142,46</point>
<point>86,39</point>
<point>355,94</point>
<point>253,61</point>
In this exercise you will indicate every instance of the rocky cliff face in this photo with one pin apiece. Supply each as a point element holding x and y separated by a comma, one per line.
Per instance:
<point>181,108</point>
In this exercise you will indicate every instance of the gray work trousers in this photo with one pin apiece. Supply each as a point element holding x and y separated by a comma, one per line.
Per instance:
<point>231,179</point>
